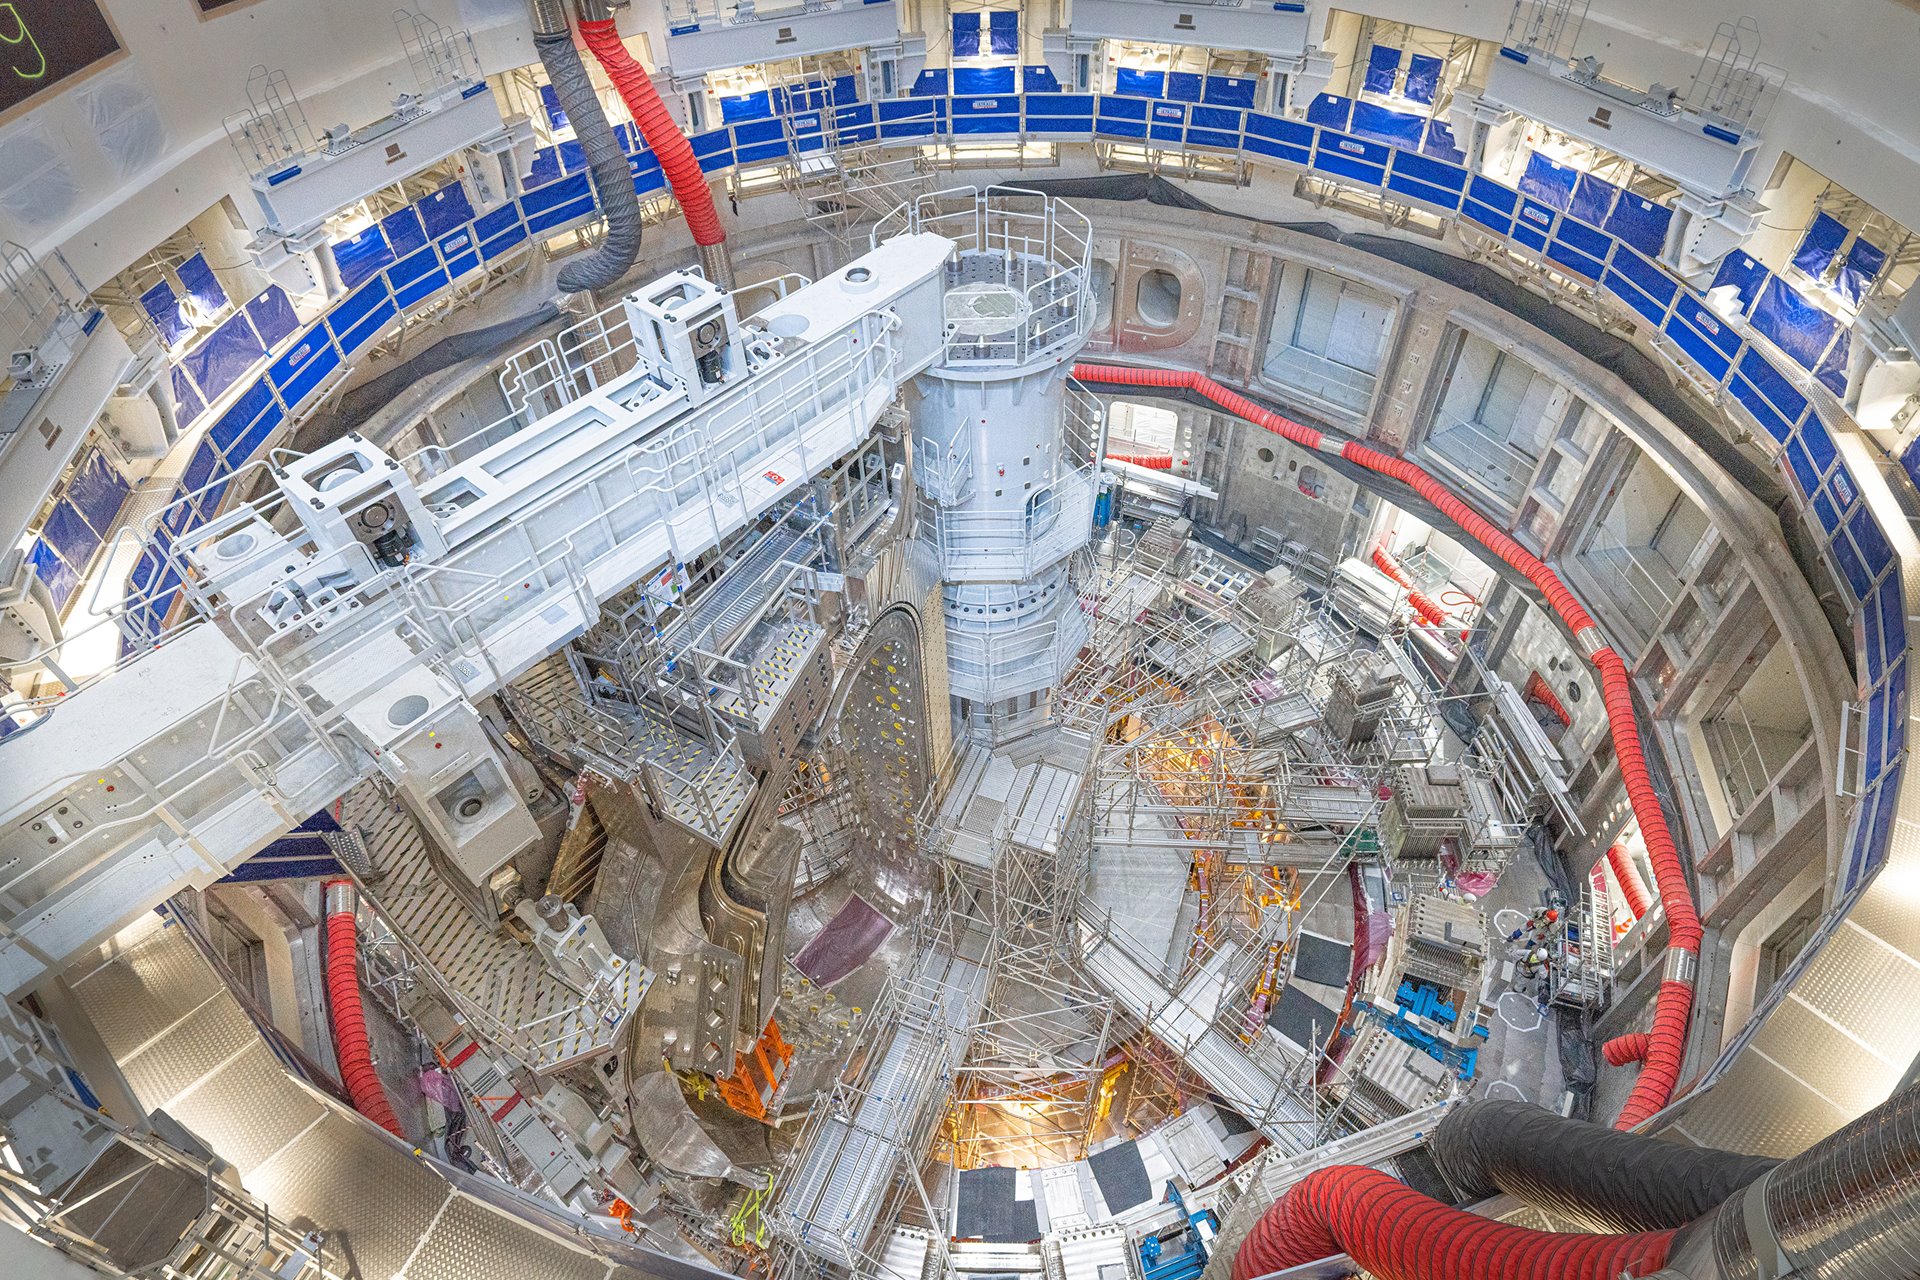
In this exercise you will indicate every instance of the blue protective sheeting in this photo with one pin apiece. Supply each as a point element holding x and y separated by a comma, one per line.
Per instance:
<point>360,257</point>
<point>1229,91</point>
<point>1859,270</point>
<point>52,570</point>
<point>1823,239</point>
<point>1183,86</point>
<point>930,84</point>
<point>1003,32</point>
<point>1641,223</point>
<point>1549,181</point>
<point>1138,83</point>
<point>445,209</point>
<point>1745,274</point>
<point>1440,143</point>
<point>198,280</point>
<point>188,403</point>
<point>272,316</point>
<point>977,80</point>
<point>1039,78</point>
<point>1423,77</point>
<point>966,35</point>
<point>550,100</point>
<point>68,533</point>
<point>224,358</point>
<point>1793,324</point>
<point>1592,200</point>
<point>250,404</point>
<point>746,106</point>
<point>163,308</point>
<point>1832,370</point>
<point>97,491</point>
<point>1395,128</point>
<point>1383,68</point>
<point>1330,111</point>
<point>404,232</point>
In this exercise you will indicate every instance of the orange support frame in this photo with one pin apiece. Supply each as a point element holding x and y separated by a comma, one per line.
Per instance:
<point>757,1075</point>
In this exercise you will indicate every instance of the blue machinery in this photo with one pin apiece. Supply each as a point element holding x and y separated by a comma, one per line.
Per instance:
<point>1190,1238</point>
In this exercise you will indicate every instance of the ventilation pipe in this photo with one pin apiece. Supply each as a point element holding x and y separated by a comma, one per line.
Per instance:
<point>1423,604</point>
<point>350,1043</point>
<point>1620,1182</point>
<point>1847,1206</point>
<point>1673,1002</point>
<point>606,162</point>
<point>663,137</point>
<point>1627,876</point>
<point>1623,1051</point>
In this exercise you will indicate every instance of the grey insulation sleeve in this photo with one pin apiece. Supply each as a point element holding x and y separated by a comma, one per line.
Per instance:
<point>606,163</point>
<point>1599,1178</point>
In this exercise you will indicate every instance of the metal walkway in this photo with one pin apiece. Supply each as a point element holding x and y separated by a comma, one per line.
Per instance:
<point>187,1047</point>
<point>1253,1081</point>
<point>238,740</point>
<point>850,1155</point>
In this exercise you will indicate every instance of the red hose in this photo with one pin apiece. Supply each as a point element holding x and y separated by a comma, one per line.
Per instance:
<point>1541,692</point>
<point>1430,613</point>
<point>1627,876</point>
<point>1334,1220</point>
<point>1152,462</point>
<point>350,1044</point>
<point>1625,1050</point>
<point>1398,1234</point>
<point>663,136</point>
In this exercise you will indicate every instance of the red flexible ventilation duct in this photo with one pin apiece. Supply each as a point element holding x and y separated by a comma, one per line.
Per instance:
<point>1625,1050</point>
<point>1541,692</point>
<point>1627,876</point>
<point>1673,1003</point>
<point>1151,462</point>
<point>663,136</point>
<point>1394,1232</point>
<point>350,1044</point>
<point>1430,613</point>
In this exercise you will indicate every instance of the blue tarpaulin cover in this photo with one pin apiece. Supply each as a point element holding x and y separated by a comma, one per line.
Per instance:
<point>224,357</point>
<point>1383,67</point>
<point>966,35</point>
<point>1860,269</point>
<point>1423,77</point>
<point>1549,181</point>
<point>1793,324</point>
<point>445,209</point>
<point>1745,274</point>
<point>187,401</point>
<point>1003,31</point>
<point>163,308</point>
<point>404,231</point>
<point>197,278</point>
<point>360,257</point>
<point>97,491</point>
<point>1823,239</point>
<point>272,316</point>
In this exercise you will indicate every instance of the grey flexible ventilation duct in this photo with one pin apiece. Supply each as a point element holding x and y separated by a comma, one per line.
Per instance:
<point>606,162</point>
<point>1847,1207</point>
<point>1603,1179</point>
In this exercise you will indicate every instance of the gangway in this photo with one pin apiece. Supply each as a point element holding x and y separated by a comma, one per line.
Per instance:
<point>1255,1082</point>
<point>336,621</point>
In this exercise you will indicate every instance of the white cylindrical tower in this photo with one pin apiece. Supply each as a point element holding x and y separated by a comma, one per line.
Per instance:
<point>1008,453</point>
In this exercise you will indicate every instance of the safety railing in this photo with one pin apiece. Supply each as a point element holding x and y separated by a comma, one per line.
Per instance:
<point>1017,290</point>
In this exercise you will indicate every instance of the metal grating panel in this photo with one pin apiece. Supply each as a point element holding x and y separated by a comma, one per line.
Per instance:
<point>178,1060</point>
<point>471,1242</point>
<point>139,995</point>
<point>324,1178</point>
<point>248,1110</point>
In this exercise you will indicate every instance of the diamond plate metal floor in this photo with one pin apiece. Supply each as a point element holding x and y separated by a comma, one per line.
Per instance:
<point>187,1046</point>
